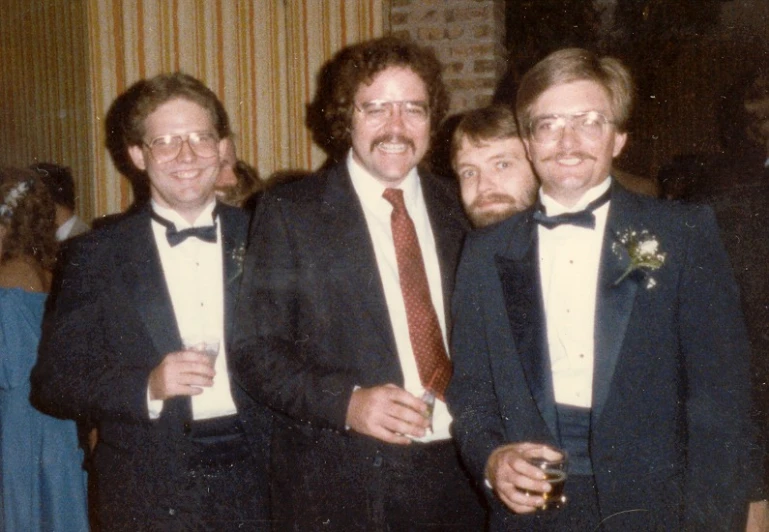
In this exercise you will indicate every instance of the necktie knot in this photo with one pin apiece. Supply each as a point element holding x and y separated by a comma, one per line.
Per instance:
<point>584,218</point>
<point>175,237</point>
<point>395,197</point>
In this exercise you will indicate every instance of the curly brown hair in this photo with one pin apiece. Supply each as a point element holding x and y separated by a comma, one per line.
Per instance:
<point>29,216</point>
<point>361,62</point>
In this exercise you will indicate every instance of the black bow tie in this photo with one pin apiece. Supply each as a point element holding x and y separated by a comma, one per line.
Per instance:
<point>175,237</point>
<point>584,218</point>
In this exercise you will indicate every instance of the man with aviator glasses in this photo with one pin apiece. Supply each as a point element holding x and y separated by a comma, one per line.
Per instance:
<point>137,344</point>
<point>604,324</point>
<point>343,317</point>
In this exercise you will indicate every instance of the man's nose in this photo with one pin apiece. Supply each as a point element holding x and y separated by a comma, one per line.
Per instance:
<point>186,153</point>
<point>395,120</point>
<point>486,182</point>
<point>569,136</point>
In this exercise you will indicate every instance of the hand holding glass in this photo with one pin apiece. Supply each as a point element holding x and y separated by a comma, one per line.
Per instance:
<point>553,463</point>
<point>206,345</point>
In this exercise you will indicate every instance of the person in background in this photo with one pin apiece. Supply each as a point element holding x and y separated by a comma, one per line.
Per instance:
<point>138,341</point>
<point>606,324</point>
<point>60,184</point>
<point>342,323</point>
<point>742,208</point>
<point>42,482</point>
<point>496,179</point>
<point>238,182</point>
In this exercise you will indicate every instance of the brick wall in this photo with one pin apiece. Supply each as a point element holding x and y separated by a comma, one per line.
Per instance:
<point>467,36</point>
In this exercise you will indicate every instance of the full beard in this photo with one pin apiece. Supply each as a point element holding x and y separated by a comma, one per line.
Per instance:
<point>492,208</point>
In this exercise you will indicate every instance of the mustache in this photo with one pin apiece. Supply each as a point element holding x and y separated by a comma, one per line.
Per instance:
<point>563,155</point>
<point>492,197</point>
<point>395,139</point>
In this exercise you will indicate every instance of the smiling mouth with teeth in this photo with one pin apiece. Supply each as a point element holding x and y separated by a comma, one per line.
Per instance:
<point>392,144</point>
<point>392,148</point>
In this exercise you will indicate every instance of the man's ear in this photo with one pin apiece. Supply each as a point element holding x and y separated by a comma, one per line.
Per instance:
<point>137,157</point>
<point>526,145</point>
<point>223,145</point>
<point>619,142</point>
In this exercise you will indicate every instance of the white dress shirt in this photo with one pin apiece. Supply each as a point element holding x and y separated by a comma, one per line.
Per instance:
<point>194,274</point>
<point>569,260</point>
<point>377,211</point>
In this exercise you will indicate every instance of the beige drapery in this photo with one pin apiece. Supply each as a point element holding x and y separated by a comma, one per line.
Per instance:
<point>62,63</point>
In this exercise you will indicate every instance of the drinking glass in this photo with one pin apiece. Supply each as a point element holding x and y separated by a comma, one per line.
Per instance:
<point>208,346</point>
<point>553,462</point>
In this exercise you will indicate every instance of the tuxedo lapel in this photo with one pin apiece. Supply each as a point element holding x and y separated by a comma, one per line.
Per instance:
<point>614,300</point>
<point>348,246</point>
<point>519,275</point>
<point>234,230</point>
<point>145,282</point>
<point>449,227</point>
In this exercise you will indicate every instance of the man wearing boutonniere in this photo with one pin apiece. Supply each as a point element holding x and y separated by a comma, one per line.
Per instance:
<point>605,324</point>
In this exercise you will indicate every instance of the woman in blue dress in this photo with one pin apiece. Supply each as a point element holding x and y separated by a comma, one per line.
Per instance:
<point>43,486</point>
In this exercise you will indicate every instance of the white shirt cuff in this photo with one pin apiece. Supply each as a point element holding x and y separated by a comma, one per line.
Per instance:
<point>154,406</point>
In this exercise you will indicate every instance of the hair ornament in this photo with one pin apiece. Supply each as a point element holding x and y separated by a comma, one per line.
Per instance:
<point>12,199</point>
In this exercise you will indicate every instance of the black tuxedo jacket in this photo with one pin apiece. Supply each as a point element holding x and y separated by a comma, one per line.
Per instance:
<point>313,322</point>
<point>670,433</point>
<point>111,324</point>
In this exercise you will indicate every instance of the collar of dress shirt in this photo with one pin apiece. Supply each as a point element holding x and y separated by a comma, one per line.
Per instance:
<point>553,208</point>
<point>64,229</point>
<point>204,218</point>
<point>370,190</point>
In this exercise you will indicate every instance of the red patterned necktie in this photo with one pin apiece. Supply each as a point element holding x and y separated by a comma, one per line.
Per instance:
<point>424,331</point>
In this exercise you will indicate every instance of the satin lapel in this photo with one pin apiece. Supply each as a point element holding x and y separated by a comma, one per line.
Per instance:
<point>614,301</point>
<point>145,282</point>
<point>349,247</point>
<point>234,231</point>
<point>449,228</point>
<point>519,274</point>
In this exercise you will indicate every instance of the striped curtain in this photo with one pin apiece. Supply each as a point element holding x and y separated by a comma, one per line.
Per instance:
<point>44,91</point>
<point>260,56</point>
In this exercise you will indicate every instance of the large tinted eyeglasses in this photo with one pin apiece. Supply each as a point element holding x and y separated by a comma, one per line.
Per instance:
<point>549,128</point>
<point>378,112</point>
<point>167,147</point>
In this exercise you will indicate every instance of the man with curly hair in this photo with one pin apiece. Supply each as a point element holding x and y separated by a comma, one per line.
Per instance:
<point>343,321</point>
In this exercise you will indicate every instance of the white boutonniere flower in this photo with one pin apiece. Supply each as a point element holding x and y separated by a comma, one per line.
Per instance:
<point>643,249</point>
<point>238,256</point>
